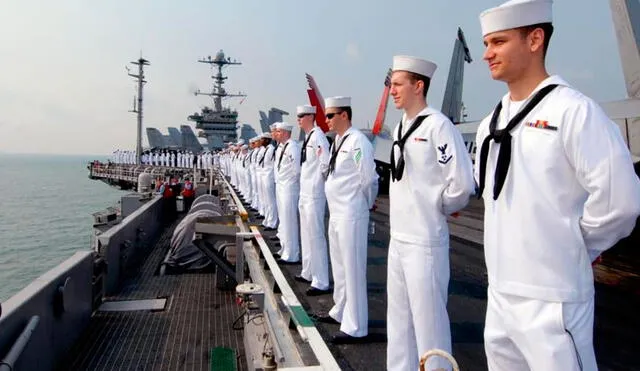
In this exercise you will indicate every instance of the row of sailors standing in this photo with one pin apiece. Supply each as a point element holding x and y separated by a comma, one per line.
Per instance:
<point>167,158</point>
<point>123,157</point>
<point>558,186</point>
<point>179,159</point>
<point>291,184</point>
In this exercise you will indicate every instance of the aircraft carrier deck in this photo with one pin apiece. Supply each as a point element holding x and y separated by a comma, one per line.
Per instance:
<point>199,317</point>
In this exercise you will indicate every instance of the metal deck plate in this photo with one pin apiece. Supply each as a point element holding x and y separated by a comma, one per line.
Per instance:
<point>133,305</point>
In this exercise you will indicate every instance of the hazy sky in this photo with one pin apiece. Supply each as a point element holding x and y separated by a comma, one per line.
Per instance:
<point>64,87</point>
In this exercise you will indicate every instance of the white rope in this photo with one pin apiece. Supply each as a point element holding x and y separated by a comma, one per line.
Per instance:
<point>437,352</point>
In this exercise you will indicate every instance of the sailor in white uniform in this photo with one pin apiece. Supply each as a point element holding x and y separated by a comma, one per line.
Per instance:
<point>270,221</point>
<point>263,142</point>
<point>257,153</point>
<point>243,174</point>
<point>255,195</point>
<point>559,189</point>
<point>235,163</point>
<point>314,157</point>
<point>247,171</point>
<point>431,177</point>
<point>288,178</point>
<point>351,189</point>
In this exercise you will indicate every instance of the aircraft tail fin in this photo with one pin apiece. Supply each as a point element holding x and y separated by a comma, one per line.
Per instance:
<point>155,138</point>
<point>626,20</point>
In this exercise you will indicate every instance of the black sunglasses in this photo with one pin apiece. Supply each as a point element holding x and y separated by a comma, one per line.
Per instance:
<point>329,116</point>
<point>301,115</point>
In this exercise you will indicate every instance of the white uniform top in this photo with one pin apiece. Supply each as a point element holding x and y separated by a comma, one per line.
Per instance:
<point>289,168</point>
<point>275,161</point>
<point>317,159</point>
<point>267,164</point>
<point>437,181</point>
<point>352,187</point>
<point>254,158</point>
<point>259,155</point>
<point>570,194</point>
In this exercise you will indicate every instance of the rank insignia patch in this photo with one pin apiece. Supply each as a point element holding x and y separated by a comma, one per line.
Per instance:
<point>444,158</point>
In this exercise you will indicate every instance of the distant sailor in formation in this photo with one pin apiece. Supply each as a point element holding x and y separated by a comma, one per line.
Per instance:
<point>261,176</point>
<point>559,189</point>
<point>243,174</point>
<point>270,222</point>
<point>255,200</point>
<point>351,188</point>
<point>431,177</point>
<point>314,158</point>
<point>288,188</point>
<point>246,172</point>
<point>258,150</point>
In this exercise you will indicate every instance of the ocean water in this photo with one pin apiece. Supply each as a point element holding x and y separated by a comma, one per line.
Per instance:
<point>46,202</point>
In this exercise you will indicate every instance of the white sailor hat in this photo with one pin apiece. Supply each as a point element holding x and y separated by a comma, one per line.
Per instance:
<point>273,126</point>
<point>240,142</point>
<point>284,126</point>
<point>338,102</point>
<point>244,146</point>
<point>306,109</point>
<point>414,64</point>
<point>266,136</point>
<point>514,14</point>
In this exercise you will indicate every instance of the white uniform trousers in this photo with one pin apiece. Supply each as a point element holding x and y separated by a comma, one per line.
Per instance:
<point>260,184</point>
<point>417,319</point>
<point>348,249</point>
<point>270,205</point>
<point>234,176</point>
<point>241,182</point>
<point>247,185</point>
<point>313,243</point>
<point>254,187</point>
<point>235,180</point>
<point>289,229</point>
<point>529,334</point>
<point>251,185</point>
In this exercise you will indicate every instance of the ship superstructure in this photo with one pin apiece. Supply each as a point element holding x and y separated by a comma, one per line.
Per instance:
<point>217,123</point>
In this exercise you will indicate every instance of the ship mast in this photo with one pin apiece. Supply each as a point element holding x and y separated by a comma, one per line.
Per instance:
<point>218,92</point>
<point>141,62</point>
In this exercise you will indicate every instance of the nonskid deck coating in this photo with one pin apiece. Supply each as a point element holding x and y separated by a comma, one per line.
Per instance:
<point>197,318</point>
<point>164,340</point>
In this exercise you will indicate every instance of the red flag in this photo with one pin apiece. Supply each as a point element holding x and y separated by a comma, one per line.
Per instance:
<point>382,107</point>
<point>320,118</point>
<point>316,100</point>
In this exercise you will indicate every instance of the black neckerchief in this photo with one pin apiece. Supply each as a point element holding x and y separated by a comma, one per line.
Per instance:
<point>261,162</point>
<point>503,137</point>
<point>334,154</point>
<point>282,154</point>
<point>398,169</point>
<point>303,155</point>
<point>244,160</point>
